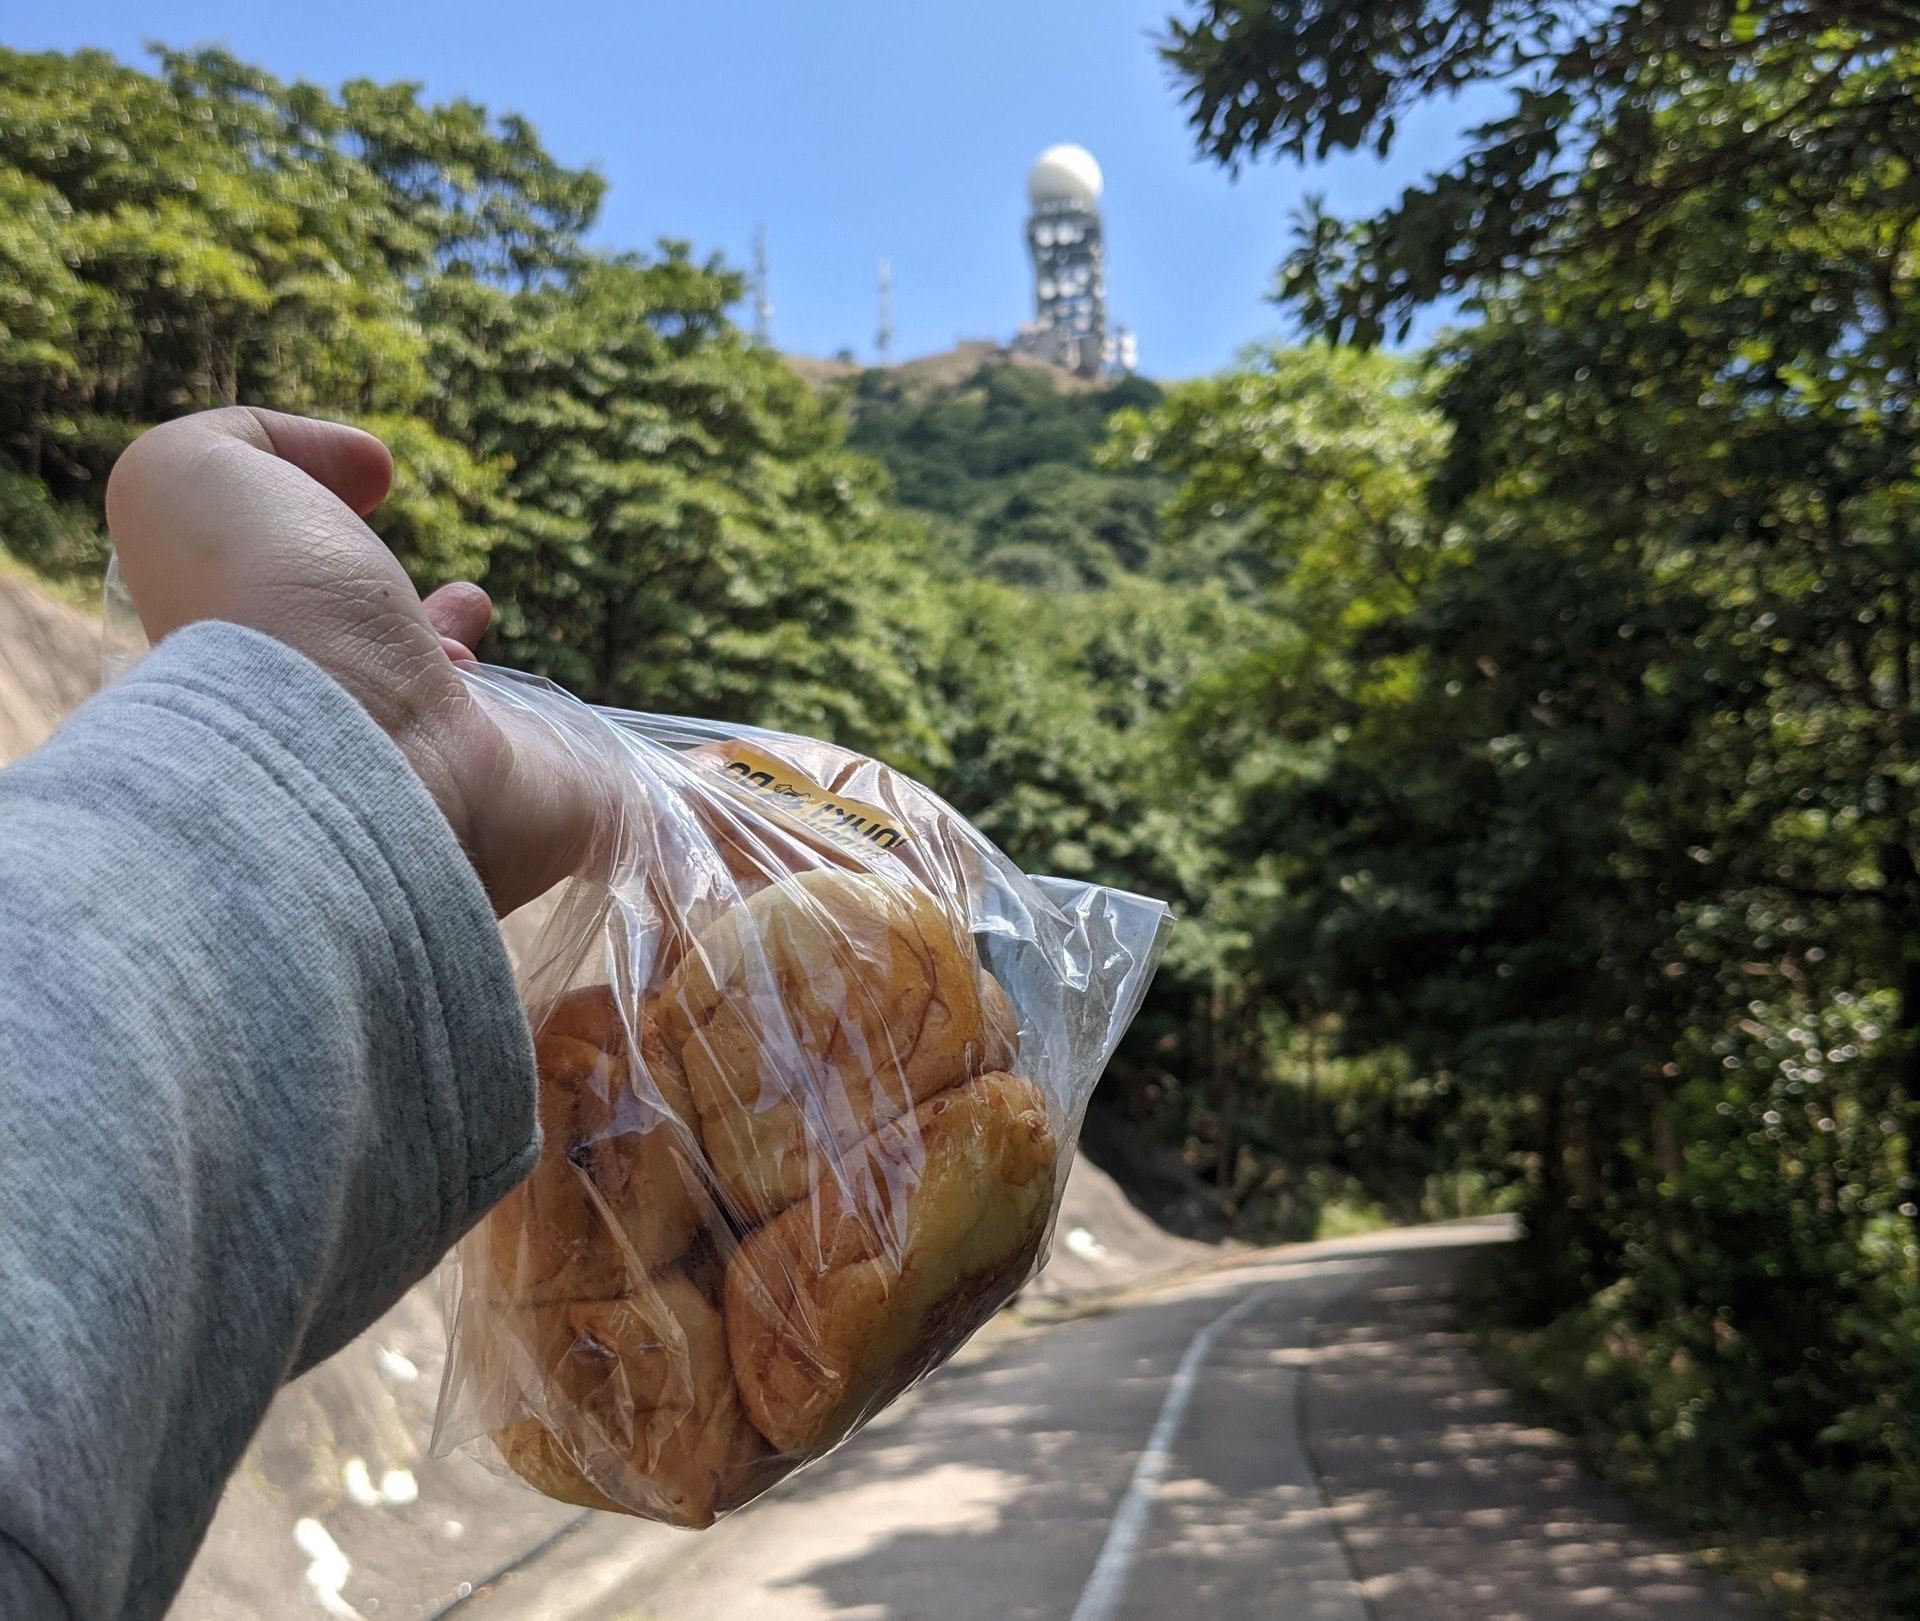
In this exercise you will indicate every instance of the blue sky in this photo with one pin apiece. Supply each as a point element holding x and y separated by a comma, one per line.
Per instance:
<point>855,130</point>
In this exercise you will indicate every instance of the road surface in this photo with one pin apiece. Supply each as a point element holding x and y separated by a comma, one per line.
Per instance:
<point>1297,1436</point>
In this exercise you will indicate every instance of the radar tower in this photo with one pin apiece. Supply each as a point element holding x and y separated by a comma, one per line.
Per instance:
<point>1066,241</point>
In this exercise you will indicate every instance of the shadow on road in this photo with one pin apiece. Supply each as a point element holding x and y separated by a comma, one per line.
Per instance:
<point>990,1495</point>
<point>1454,1506</point>
<point>916,1519</point>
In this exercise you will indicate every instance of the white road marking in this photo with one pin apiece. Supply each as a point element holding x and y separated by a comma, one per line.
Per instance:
<point>1100,1598</point>
<point>396,1485</point>
<point>329,1570</point>
<point>399,1368</point>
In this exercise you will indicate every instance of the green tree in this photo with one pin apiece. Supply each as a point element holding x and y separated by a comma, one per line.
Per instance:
<point>195,238</point>
<point>1302,478</point>
<point>690,533</point>
<point>1618,114</point>
<point>1626,830</point>
<point>667,517</point>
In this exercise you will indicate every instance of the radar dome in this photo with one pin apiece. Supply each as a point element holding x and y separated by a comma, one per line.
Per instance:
<point>1064,174</point>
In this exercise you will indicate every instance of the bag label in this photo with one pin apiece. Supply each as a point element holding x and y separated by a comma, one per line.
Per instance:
<point>848,823</point>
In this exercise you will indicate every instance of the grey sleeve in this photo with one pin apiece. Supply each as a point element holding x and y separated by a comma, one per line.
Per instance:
<point>261,1061</point>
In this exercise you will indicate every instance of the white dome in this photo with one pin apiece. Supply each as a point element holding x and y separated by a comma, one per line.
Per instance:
<point>1064,174</point>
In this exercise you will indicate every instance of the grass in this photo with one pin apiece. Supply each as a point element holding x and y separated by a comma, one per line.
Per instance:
<point>1343,1218</point>
<point>77,593</point>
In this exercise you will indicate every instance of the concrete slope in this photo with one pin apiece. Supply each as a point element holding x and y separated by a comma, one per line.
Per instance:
<point>49,662</point>
<point>1102,1242</point>
<point>337,1510</point>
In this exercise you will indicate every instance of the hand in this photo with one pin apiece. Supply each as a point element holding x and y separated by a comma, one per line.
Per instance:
<point>254,517</point>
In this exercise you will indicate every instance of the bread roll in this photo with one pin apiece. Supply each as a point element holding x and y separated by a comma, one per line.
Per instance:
<point>843,1300</point>
<point>642,1404</point>
<point>612,1196</point>
<point>1002,1026</point>
<point>539,1457</point>
<point>593,1014</point>
<point>752,1466</point>
<point>826,1005</point>
<point>825,1054</point>
<point>938,849</point>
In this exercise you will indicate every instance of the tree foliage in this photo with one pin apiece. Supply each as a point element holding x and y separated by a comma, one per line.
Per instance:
<point>1619,116</point>
<point>1622,829</point>
<point>665,515</point>
<point>1301,480</point>
<point>1001,468</point>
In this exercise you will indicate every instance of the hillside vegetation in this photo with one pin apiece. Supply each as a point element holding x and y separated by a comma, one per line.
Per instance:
<point>1001,470</point>
<point>1525,734</point>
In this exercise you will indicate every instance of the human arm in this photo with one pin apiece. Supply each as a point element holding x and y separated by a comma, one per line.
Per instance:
<point>260,1053</point>
<point>261,1061</point>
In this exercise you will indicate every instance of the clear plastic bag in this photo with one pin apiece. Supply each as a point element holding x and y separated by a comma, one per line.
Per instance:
<point>812,1056</point>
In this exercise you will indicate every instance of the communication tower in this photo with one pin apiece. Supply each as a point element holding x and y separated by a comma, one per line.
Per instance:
<point>762,299</point>
<point>883,339</point>
<point>1066,240</point>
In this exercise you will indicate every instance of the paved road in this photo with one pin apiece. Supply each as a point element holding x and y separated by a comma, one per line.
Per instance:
<point>339,1508</point>
<point>1057,1474</point>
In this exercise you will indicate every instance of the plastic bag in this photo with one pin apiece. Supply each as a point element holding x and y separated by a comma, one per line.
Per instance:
<point>813,1055</point>
<point>812,1060</point>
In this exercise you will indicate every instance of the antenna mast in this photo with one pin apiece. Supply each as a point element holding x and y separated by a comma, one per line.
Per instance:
<point>883,339</point>
<point>762,302</point>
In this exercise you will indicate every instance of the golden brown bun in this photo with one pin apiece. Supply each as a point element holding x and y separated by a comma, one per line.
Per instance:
<point>612,1196</point>
<point>644,1416</point>
<point>662,1066</point>
<point>828,1004</point>
<point>752,1467</point>
<point>592,1014</point>
<point>1002,1026</point>
<point>842,1301</point>
<point>539,1457</point>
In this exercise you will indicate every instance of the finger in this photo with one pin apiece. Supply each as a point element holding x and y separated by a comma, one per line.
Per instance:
<point>212,522</point>
<point>460,612</point>
<point>459,652</point>
<point>351,463</point>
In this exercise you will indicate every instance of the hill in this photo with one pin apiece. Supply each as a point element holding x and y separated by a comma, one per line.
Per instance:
<point>926,375</point>
<point>995,453</point>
